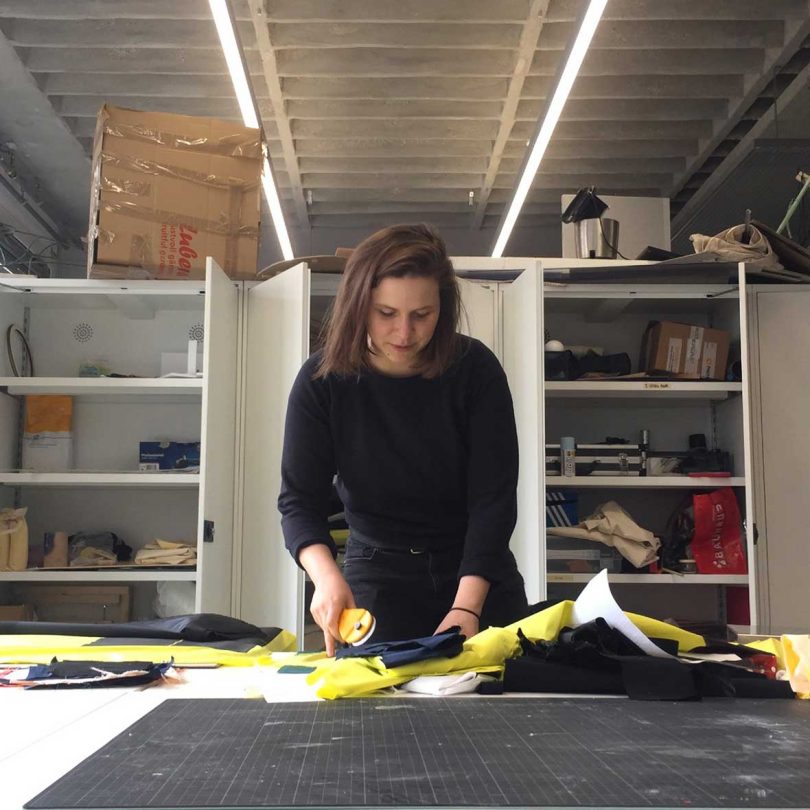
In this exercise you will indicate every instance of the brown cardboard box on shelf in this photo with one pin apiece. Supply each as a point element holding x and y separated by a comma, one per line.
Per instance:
<point>167,191</point>
<point>685,350</point>
<point>78,603</point>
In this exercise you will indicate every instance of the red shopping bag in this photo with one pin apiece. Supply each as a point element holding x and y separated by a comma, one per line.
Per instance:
<point>717,544</point>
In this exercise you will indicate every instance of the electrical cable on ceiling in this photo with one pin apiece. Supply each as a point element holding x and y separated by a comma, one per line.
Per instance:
<point>18,255</point>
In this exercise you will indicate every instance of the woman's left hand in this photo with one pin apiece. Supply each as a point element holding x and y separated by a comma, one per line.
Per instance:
<point>459,618</point>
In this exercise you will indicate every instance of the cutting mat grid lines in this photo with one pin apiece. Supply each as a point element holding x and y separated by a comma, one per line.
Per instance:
<point>467,752</point>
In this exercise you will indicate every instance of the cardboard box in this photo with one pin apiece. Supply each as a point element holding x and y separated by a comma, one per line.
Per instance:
<point>48,435</point>
<point>156,456</point>
<point>79,603</point>
<point>167,191</point>
<point>684,350</point>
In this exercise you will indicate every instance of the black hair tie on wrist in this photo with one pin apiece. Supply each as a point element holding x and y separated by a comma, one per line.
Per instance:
<point>467,610</point>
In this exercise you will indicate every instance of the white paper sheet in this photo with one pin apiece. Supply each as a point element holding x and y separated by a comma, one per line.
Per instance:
<point>596,601</point>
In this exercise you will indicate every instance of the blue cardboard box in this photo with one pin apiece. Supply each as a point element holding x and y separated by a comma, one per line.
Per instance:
<point>179,456</point>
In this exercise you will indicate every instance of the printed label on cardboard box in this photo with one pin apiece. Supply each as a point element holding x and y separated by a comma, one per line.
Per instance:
<point>709,362</point>
<point>691,361</point>
<point>674,354</point>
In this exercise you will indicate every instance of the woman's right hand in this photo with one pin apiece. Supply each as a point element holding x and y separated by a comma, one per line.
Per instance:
<point>332,593</point>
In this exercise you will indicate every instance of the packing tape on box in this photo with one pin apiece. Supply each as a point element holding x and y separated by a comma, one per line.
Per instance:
<point>166,170</point>
<point>233,145</point>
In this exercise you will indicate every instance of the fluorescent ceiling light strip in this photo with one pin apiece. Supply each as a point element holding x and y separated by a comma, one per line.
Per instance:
<point>250,113</point>
<point>271,194</point>
<point>580,47</point>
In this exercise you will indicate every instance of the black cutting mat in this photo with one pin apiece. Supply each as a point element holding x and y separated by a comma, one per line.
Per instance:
<point>481,752</point>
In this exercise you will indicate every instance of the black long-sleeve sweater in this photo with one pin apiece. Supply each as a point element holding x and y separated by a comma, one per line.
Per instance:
<point>420,463</point>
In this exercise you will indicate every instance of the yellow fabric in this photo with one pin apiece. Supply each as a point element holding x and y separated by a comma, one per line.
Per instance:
<point>354,677</point>
<point>21,649</point>
<point>653,628</point>
<point>797,663</point>
<point>546,626</point>
<point>485,652</point>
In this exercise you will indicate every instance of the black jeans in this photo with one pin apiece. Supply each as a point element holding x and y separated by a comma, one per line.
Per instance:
<point>410,591</point>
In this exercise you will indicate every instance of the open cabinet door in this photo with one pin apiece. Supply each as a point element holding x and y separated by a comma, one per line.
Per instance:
<point>478,315</point>
<point>218,444</point>
<point>522,357</point>
<point>276,345</point>
<point>780,388</point>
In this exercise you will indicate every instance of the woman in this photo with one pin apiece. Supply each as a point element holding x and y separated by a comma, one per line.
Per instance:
<point>417,423</point>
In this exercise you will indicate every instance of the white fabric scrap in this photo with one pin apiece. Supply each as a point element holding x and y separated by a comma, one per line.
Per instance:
<point>441,685</point>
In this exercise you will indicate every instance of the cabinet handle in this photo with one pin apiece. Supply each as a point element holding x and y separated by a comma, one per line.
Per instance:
<point>208,531</point>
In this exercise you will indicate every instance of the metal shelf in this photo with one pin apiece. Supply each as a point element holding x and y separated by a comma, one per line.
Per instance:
<point>101,479</point>
<point>655,579</point>
<point>642,389</point>
<point>101,575</point>
<point>639,482</point>
<point>104,386</point>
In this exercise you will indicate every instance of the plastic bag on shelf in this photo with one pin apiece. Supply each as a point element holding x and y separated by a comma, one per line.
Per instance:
<point>174,599</point>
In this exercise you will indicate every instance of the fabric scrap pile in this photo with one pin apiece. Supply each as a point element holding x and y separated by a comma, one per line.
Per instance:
<point>166,552</point>
<point>589,646</point>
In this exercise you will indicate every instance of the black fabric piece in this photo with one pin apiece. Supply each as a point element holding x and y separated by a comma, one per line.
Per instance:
<point>424,463</point>
<point>595,658</point>
<point>530,674</point>
<point>202,627</point>
<point>561,366</point>
<point>609,364</point>
<point>77,670</point>
<point>87,669</point>
<point>490,688</point>
<point>398,653</point>
<point>650,678</point>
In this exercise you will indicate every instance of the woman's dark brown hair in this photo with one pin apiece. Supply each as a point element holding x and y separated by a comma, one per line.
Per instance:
<point>394,252</point>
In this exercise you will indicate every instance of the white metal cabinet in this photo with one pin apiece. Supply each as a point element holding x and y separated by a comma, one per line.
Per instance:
<point>128,324</point>
<point>614,316</point>
<point>780,394</point>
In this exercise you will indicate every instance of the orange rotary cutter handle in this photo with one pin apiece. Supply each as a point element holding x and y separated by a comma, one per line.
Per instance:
<point>356,625</point>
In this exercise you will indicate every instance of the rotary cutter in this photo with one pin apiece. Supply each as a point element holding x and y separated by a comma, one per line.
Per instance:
<point>356,625</point>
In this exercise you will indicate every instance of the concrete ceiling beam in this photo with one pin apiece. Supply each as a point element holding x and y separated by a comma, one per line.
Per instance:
<point>529,37</point>
<point>363,11</point>
<point>146,85</point>
<point>278,110</point>
<point>495,89</point>
<point>729,10</point>
<point>796,33</point>
<point>199,61</point>
<point>103,9</point>
<point>119,32</point>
